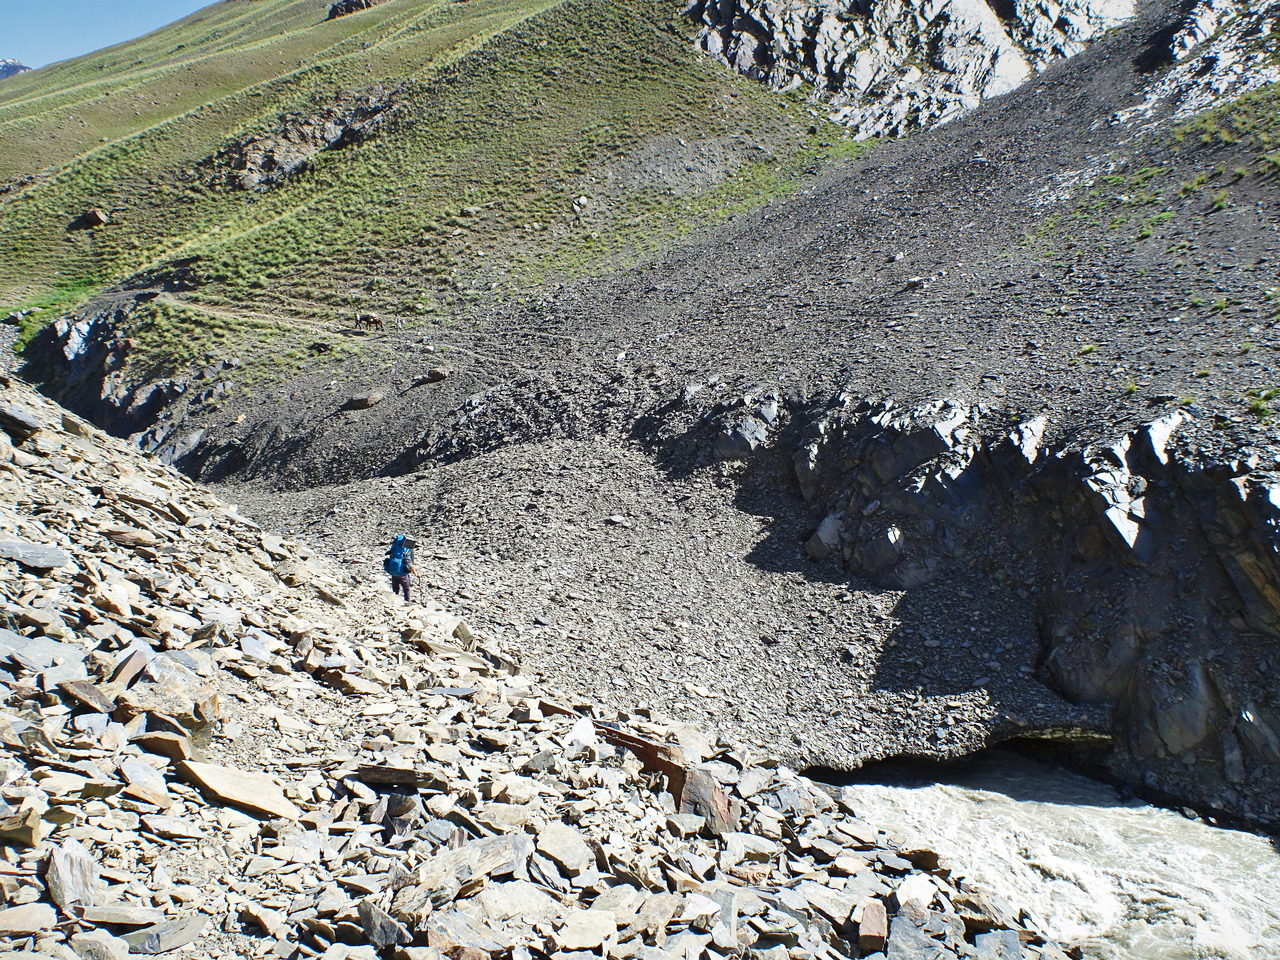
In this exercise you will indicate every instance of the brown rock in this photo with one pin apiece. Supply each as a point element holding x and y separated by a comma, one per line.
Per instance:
<point>164,744</point>
<point>88,696</point>
<point>434,375</point>
<point>363,402</point>
<point>130,536</point>
<point>873,926</point>
<point>271,921</point>
<point>922,857</point>
<point>25,828</point>
<point>127,670</point>
<point>351,684</point>
<point>254,793</point>
<point>702,795</point>
<point>28,918</point>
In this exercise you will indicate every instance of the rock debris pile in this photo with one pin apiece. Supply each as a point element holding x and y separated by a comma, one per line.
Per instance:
<point>213,738</point>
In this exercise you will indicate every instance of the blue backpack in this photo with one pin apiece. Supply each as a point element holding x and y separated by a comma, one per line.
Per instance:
<point>398,560</point>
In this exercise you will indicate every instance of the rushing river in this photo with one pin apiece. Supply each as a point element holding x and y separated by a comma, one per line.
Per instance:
<point>1123,880</point>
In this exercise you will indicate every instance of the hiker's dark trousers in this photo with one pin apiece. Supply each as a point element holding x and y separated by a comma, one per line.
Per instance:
<point>401,585</point>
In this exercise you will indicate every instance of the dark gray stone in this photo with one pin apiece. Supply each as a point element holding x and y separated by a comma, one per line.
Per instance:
<point>34,556</point>
<point>18,422</point>
<point>163,937</point>
<point>382,929</point>
<point>38,654</point>
<point>907,941</point>
<point>998,945</point>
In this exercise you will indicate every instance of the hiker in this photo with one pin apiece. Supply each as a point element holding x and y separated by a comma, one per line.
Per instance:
<point>399,564</point>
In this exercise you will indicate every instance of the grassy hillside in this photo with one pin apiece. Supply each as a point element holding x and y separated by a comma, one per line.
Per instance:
<point>522,146</point>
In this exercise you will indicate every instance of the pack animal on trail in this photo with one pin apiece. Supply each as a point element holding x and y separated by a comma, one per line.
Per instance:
<point>369,321</point>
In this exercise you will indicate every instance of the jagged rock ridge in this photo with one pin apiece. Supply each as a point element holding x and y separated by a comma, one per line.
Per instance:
<point>890,66</point>
<point>1155,576</point>
<point>262,160</point>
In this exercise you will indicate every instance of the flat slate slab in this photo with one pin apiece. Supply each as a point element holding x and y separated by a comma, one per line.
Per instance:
<point>34,556</point>
<point>38,654</point>
<point>254,793</point>
<point>163,937</point>
<point>28,918</point>
<point>18,422</point>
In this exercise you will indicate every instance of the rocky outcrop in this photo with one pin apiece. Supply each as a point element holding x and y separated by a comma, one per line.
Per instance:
<point>1218,53</point>
<point>84,360</point>
<point>1155,574</point>
<point>212,738</point>
<point>890,66</point>
<point>262,160</point>
<point>344,7</point>
<point>9,68</point>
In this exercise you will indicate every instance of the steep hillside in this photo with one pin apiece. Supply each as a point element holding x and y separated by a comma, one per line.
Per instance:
<point>378,162</point>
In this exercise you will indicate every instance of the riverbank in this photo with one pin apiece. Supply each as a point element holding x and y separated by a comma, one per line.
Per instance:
<point>1119,878</point>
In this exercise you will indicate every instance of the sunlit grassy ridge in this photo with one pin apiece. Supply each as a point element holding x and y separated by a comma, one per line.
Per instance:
<point>509,111</point>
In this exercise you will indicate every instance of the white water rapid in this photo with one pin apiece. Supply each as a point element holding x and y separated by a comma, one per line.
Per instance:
<point>1123,880</point>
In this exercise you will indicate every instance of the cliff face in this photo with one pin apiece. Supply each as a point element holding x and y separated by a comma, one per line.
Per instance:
<point>1153,574</point>
<point>889,66</point>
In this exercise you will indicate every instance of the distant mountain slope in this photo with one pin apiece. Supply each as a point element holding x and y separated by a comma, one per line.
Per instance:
<point>10,68</point>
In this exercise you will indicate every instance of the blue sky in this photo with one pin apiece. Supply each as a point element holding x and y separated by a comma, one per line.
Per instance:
<point>39,32</point>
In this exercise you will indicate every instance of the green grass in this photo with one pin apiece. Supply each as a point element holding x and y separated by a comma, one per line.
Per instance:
<point>509,110</point>
<point>1260,402</point>
<point>1250,124</point>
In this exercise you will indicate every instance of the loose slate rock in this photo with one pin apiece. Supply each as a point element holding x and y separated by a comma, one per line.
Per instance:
<point>586,930</point>
<point>28,918</point>
<point>38,654</point>
<point>123,916</point>
<point>998,945</point>
<point>253,792</point>
<point>703,796</point>
<point>34,556</point>
<point>563,844</point>
<point>72,876</point>
<point>163,937</point>
<point>873,927</point>
<point>18,422</point>
<point>380,927</point>
<point>99,945</point>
